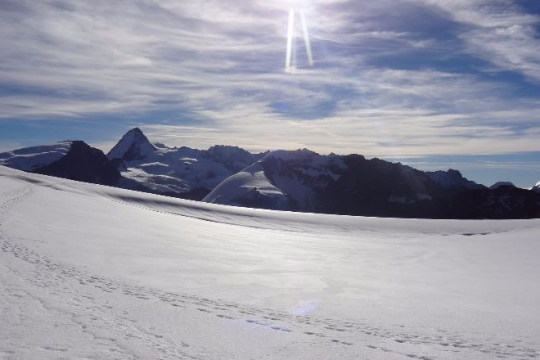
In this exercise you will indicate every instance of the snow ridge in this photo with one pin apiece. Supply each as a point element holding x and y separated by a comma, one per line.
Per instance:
<point>249,187</point>
<point>31,158</point>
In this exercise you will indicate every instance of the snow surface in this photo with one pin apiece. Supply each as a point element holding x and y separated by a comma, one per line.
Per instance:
<point>31,158</point>
<point>244,183</point>
<point>92,272</point>
<point>176,170</point>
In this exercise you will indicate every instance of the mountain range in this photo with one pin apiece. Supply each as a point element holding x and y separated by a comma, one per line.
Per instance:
<point>300,180</point>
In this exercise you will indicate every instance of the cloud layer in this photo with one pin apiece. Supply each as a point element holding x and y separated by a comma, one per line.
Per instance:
<point>397,79</point>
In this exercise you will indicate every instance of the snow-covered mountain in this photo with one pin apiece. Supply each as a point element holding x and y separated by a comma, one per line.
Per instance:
<point>282,180</point>
<point>313,182</point>
<point>73,160</point>
<point>251,188</point>
<point>353,185</point>
<point>134,145</point>
<point>96,272</point>
<point>31,158</point>
<point>299,180</point>
<point>181,172</point>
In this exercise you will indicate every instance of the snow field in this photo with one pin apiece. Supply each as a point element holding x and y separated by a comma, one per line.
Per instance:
<point>91,272</point>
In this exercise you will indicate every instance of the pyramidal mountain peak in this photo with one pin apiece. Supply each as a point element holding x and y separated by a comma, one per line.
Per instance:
<point>134,145</point>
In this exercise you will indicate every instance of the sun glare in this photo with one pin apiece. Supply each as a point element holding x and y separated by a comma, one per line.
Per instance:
<point>290,58</point>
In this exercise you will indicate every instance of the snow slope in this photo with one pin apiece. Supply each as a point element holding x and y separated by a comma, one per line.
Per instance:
<point>249,187</point>
<point>88,271</point>
<point>294,175</point>
<point>30,158</point>
<point>179,170</point>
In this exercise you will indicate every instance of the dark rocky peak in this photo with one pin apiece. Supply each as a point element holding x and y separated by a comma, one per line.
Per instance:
<point>83,163</point>
<point>452,178</point>
<point>134,145</point>
<point>501,183</point>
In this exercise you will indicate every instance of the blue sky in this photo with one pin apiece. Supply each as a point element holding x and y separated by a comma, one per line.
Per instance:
<point>432,83</point>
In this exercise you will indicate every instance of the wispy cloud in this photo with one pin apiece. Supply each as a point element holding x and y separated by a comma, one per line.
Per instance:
<point>204,73</point>
<point>499,32</point>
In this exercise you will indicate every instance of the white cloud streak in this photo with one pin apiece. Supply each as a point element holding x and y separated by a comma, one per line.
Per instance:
<point>221,63</point>
<point>499,32</point>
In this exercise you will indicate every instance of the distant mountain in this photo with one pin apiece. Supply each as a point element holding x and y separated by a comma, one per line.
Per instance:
<point>303,180</point>
<point>250,188</point>
<point>180,172</point>
<point>83,163</point>
<point>282,180</point>
<point>501,183</point>
<point>332,183</point>
<point>300,180</point>
<point>536,188</point>
<point>31,158</point>
<point>452,179</point>
<point>326,183</point>
<point>503,202</point>
<point>134,145</point>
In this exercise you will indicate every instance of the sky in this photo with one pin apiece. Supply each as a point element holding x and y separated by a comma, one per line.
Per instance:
<point>435,84</point>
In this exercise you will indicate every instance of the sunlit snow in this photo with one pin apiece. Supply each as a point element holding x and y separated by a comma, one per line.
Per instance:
<point>88,271</point>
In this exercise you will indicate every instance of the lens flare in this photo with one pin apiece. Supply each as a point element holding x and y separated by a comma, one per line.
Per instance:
<point>290,36</point>
<point>306,38</point>
<point>290,58</point>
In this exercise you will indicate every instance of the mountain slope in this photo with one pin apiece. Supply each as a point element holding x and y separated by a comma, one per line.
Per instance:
<point>340,184</point>
<point>134,145</point>
<point>250,188</point>
<point>83,163</point>
<point>31,158</point>
<point>452,179</point>
<point>353,185</point>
